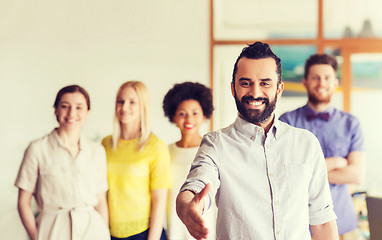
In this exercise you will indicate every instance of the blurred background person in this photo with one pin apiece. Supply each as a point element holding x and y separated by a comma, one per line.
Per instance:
<point>138,168</point>
<point>187,105</point>
<point>66,174</point>
<point>340,137</point>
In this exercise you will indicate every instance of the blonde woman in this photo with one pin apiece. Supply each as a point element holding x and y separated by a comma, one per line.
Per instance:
<point>187,105</point>
<point>66,174</point>
<point>138,169</point>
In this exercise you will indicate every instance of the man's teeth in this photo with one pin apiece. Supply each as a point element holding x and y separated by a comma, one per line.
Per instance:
<point>321,90</point>
<point>255,103</point>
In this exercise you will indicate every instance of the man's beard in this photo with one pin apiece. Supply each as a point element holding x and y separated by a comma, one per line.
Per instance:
<point>255,116</point>
<point>317,100</point>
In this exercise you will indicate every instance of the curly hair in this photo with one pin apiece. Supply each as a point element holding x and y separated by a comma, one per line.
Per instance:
<point>186,91</point>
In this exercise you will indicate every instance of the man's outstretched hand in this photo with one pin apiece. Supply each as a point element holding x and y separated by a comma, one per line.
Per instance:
<point>189,207</point>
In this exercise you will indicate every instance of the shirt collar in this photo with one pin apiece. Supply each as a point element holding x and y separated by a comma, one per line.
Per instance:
<point>330,110</point>
<point>56,141</point>
<point>250,129</point>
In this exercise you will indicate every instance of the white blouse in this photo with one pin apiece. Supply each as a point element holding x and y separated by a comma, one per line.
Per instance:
<point>65,188</point>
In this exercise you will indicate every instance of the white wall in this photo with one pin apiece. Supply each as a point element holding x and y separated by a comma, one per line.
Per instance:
<point>45,45</point>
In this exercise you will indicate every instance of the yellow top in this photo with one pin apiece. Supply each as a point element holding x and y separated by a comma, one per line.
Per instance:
<point>132,175</point>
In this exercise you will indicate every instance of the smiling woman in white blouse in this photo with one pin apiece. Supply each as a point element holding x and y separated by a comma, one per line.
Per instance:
<point>187,105</point>
<point>66,174</point>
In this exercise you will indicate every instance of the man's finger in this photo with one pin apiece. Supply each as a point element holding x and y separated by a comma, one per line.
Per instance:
<point>197,231</point>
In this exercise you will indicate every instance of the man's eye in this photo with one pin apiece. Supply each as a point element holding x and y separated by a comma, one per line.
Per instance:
<point>120,102</point>
<point>245,84</point>
<point>264,84</point>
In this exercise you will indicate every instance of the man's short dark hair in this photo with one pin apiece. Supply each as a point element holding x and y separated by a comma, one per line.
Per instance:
<point>320,59</point>
<point>188,91</point>
<point>258,50</point>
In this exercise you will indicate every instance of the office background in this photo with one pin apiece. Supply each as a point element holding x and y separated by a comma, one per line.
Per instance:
<point>46,45</point>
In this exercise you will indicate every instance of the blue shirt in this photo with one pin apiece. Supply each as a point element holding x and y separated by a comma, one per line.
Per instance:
<point>338,136</point>
<point>267,186</point>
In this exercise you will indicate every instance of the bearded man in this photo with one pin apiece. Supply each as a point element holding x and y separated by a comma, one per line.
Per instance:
<point>339,134</point>
<point>268,179</point>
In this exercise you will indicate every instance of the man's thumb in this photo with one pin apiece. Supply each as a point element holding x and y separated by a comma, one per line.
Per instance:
<point>204,191</point>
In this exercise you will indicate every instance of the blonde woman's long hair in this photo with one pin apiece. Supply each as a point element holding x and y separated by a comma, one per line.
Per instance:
<point>144,105</point>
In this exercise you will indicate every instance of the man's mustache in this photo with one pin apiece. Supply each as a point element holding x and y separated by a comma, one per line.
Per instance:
<point>250,98</point>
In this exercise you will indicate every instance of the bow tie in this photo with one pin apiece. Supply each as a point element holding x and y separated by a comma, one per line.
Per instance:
<point>311,115</point>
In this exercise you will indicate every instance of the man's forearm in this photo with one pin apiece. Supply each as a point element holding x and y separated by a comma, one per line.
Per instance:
<point>326,231</point>
<point>334,163</point>
<point>347,175</point>
<point>352,173</point>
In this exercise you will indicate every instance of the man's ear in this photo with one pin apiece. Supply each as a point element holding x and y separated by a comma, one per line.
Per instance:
<point>280,89</point>
<point>304,82</point>
<point>233,89</point>
<point>337,83</point>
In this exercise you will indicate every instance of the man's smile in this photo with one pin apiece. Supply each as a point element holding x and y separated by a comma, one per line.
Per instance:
<point>254,103</point>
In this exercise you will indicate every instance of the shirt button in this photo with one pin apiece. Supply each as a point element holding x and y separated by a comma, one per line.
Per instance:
<point>278,232</point>
<point>252,138</point>
<point>276,203</point>
<point>271,174</point>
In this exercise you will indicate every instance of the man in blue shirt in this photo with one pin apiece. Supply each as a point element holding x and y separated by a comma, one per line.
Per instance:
<point>339,134</point>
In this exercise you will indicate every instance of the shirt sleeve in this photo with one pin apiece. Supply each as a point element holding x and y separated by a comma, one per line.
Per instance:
<point>320,200</point>
<point>28,173</point>
<point>160,176</point>
<point>204,168</point>
<point>102,185</point>
<point>357,140</point>
<point>284,118</point>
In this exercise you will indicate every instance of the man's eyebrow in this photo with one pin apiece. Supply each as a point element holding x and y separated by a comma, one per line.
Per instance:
<point>245,79</point>
<point>266,79</point>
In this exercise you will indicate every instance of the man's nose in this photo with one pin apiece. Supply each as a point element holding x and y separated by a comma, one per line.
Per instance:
<point>321,81</point>
<point>255,91</point>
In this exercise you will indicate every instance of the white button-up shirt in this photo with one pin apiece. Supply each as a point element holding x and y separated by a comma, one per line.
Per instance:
<point>266,186</point>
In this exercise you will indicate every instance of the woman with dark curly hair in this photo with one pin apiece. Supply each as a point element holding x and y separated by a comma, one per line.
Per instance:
<point>187,105</point>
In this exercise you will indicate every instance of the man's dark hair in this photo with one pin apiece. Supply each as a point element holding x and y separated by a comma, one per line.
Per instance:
<point>258,50</point>
<point>186,91</point>
<point>320,59</point>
